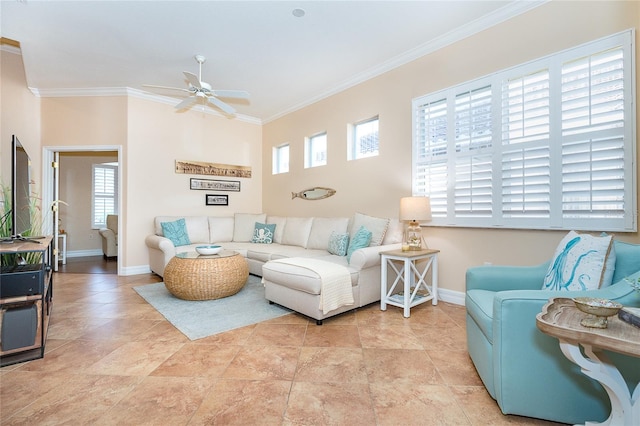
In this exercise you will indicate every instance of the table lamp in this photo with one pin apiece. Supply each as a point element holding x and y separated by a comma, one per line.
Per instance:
<point>414,209</point>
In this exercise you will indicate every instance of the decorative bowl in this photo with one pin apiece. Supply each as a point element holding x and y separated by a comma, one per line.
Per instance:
<point>597,309</point>
<point>208,250</point>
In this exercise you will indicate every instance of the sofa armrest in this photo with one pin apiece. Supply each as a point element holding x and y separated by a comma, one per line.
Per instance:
<point>370,256</point>
<point>500,278</point>
<point>160,243</point>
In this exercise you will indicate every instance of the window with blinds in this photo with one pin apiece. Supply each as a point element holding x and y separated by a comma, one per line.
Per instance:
<point>545,145</point>
<point>104,194</point>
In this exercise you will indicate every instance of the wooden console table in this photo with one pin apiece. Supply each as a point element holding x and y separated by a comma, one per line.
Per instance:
<point>560,318</point>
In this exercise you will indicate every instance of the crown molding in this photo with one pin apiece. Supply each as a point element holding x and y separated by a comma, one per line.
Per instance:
<point>134,93</point>
<point>498,16</point>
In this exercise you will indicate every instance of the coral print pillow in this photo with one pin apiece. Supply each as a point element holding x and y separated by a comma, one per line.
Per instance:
<point>579,263</point>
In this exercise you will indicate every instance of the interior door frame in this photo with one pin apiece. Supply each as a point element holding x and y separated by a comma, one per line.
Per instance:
<point>48,182</point>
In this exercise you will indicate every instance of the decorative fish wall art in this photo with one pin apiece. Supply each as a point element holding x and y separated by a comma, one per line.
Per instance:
<point>315,193</point>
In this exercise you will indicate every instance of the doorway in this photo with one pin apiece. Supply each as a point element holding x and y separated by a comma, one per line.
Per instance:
<point>74,168</point>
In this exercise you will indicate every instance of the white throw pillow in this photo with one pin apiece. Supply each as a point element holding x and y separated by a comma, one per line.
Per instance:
<point>244,224</point>
<point>579,263</point>
<point>377,226</point>
<point>296,231</point>
<point>322,228</point>
<point>279,221</point>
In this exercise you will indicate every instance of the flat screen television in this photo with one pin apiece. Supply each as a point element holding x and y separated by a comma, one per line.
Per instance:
<point>20,218</point>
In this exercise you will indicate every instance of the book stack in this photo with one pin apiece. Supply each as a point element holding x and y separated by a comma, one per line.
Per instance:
<point>630,315</point>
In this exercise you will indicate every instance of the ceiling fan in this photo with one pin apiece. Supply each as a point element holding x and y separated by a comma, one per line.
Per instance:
<point>200,90</point>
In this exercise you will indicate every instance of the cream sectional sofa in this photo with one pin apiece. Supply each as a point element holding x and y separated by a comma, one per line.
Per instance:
<point>297,237</point>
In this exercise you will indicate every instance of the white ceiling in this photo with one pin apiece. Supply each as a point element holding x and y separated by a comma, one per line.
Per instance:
<point>284,62</point>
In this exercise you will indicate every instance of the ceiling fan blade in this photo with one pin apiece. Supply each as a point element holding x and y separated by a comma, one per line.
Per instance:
<point>165,87</point>
<point>236,94</point>
<point>193,79</point>
<point>187,102</point>
<point>224,107</point>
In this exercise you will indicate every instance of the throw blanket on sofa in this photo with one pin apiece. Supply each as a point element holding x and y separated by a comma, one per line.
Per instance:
<point>335,280</point>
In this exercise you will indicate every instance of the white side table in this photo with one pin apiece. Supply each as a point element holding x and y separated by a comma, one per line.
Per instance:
<point>412,273</point>
<point>64,248</point>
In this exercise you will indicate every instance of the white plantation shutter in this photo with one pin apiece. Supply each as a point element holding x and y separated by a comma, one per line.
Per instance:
<point>525,157</point>
<point>105,196</point>
<point>547,144</point>
<point>593,125</point>
<point>430,164</point>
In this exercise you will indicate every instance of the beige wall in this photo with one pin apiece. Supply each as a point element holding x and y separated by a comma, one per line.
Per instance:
<point>152,137</point>
<point>375,185</point>
<point>157,136</point>
<point>19,115</point>
<point>76,169</point>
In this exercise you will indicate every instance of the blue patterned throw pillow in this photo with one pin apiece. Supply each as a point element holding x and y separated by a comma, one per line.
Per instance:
<point>579,263</point>
<point>176,231</point>
<point>263,233</point>
<point>360,239</point>
<point>338,244</point>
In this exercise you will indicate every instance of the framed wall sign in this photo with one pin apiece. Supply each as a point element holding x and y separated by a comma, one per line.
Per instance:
<point>216,200</point>
<point>215,185</point>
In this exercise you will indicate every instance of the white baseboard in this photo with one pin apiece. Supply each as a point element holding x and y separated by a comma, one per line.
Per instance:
<point>84,253</point>
<point>451,296</point>
<point>135,270</point>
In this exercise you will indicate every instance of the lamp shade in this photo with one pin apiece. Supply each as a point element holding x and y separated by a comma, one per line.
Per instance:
<point>415,209</point>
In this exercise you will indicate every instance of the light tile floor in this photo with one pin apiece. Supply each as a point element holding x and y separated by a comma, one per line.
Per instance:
<point>111,358</point>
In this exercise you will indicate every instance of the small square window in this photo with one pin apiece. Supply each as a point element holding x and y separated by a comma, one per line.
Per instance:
<point>315,151</point>
<point>363,139</point>
<point>281,159</point>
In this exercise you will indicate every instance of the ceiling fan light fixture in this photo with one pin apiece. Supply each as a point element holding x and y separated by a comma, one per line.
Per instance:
<point>298,13</point>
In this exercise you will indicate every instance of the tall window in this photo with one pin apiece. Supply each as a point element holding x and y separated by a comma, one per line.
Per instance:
<point>363,139</point>
<point>544,145</point>
<point>105,193</point>
<point>280,159</point>
<point>315,151</point>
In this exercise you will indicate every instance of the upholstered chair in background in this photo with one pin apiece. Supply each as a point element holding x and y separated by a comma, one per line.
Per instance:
<point>110,237</point>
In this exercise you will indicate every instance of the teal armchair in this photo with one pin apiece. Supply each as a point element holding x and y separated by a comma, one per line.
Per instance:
<point>522,368</point>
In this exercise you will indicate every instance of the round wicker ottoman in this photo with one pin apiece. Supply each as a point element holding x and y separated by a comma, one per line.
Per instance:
<point>190,276</point>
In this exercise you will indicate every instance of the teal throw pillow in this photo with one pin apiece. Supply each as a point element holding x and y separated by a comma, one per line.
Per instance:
<point>338,244</point>
<point>360,239</point>
<point>263,233</point>
<point>176,231</point>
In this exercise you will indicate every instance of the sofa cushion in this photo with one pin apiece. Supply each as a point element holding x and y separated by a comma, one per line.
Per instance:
<point>220,229</point>
<point>377,226</point>
<point>263,233</point>
<point>321,230</point>
<point>176,231</point>
<point>244,224</point>
<point>279,222</point>
<point>579,263</point>
<point>338,244</point>
<point>479,304</point>
<point>296,231</point>
<point>360,239</point>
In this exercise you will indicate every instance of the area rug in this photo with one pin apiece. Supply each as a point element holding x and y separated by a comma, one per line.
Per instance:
<point>198,319</point>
